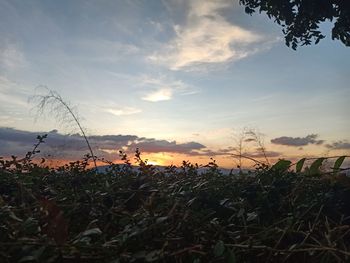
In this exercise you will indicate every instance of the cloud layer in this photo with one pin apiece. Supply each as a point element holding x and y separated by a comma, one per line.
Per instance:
<point>159,95</point>
<point>339,145</point>
<point>120,111</point>
<point>297,141</point>
<point>17,142</point>
<point>10,57</point>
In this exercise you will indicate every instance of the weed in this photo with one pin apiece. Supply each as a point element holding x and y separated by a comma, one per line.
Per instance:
<point>62,111</point>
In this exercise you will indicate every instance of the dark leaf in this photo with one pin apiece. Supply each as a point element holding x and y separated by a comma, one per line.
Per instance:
<point>338,163</point>
<point>299,165</point>
<point>315,166</point>
<point>281,165</point>
<point>231,257</point>
<point>219,248</point>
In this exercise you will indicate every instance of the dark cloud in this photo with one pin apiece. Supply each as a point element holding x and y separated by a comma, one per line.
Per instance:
<point>298,141</point>
<point>153,146</point>
<point>339,145</point>
<point>112,142</point>
<point>268,154</point>
<point>17,142</point>
<point>258,153</point>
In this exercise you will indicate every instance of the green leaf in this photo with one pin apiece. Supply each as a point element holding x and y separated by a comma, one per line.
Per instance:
<point>219,248</point>
<point>27,259</point>
<point>251,216</point>
<point>315,166</point>
<point>231,257</point>
<point>161,219</point>
<point>299,165</point>
<point>92,231</point>
<point>281,165</point>
<point>241,212</point>
<point>338,163</point>
<point>14,217</point>
<point>153,255</point>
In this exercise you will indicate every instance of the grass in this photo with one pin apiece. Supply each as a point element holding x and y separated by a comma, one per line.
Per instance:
<point>72,214</point>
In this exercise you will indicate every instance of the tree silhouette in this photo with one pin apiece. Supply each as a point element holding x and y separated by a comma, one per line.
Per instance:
<point>300,19</point>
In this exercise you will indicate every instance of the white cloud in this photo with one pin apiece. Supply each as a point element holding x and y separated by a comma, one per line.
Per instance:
<point>12,94</point>
<point>123,111</point>
<point>159,95</point>
<point>11,57</point>
<point>163,88</point>
<point>206,38</point>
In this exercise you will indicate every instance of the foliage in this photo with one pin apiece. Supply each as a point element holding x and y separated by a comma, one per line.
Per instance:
<point>301,19</point>
<point>179,214</point>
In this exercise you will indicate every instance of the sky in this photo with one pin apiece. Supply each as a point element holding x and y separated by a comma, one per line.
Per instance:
<point>181,80</point>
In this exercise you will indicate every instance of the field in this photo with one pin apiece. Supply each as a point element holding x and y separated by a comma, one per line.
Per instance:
<point>73,214</point>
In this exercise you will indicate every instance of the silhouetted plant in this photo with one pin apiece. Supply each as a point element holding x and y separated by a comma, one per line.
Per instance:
<point>61,109</point>
<point>242,140</point>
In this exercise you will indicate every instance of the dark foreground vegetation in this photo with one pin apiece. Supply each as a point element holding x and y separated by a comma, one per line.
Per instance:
<point>72,214</point>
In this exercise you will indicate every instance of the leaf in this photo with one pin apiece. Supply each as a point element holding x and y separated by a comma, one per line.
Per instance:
<point>251,216</point>
<point>14,217</point>
<point>219,248</point>
<point>161,219</point>
<point>240,212</point>
<point>107,184</point>
<point>30,226</point>
<point>189,203</point>
<point>38,253</point>
<point>292,246</point>
<point>91,232</point>
<point>281,165</point>
<point>224,201</point>
<point>27,259</point>
<point>231,257</point>
<point>338,163</point>
<point>153,255</point>
<point>299,165</point>
<point>315,166</point>
<point>56,226</point>
<point>140,254</point>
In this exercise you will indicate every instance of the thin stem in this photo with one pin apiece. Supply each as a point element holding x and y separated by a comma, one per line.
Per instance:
<point>53,95</point>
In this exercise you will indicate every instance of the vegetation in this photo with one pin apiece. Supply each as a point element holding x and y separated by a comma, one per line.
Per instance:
<point>272,214</point>
<point>301,19</point>
<point>63,112</point>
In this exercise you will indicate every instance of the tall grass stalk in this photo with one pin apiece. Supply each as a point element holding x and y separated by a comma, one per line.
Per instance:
<point>62,110</point>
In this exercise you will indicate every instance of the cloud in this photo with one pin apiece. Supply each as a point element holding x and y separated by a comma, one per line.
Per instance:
<point>11,57</point>
<point>12,95</point>
<point>339,145</point>
<point>159,95</point>
<point>207,38</point>
<point>73,146</point>
<point>154,146</point>
<point>162,88</point>
<point>123,111</point>
<point>297,141</point>
<point>258,153</point>
<point>268,154</point>
<point>17,142</point>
